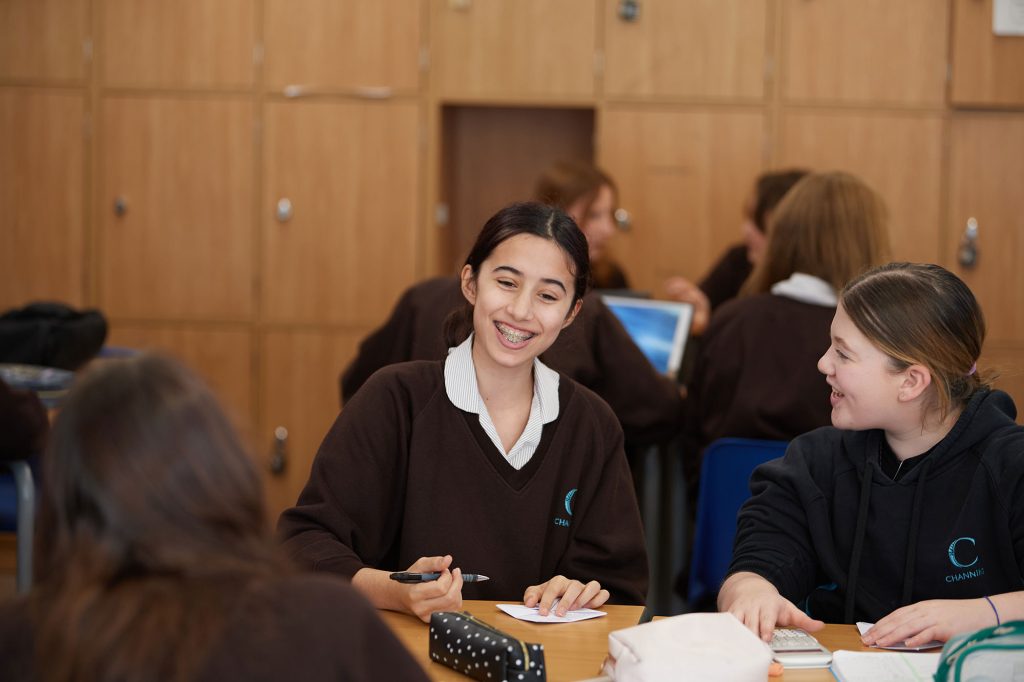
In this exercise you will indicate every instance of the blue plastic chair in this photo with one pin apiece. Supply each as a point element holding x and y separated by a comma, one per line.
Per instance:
<point>724,487</point>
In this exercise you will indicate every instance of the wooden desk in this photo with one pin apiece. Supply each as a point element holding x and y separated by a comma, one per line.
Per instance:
<point>572,651</point>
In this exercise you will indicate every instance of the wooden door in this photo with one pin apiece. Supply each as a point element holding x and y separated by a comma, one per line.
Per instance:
<point>44,39</point>
<point>686,48</point>
<point>986,168</point>
<point>174,207</point>
<point>897,154</point>
<point>222,355</point>
<point>299,382</point>
<point>494,155</point>
<point>347,245</point>
<point>183,43</point>
<point>988,70</point>
<point>41,189</point>
<point>683,176</point>
<point>326,44</point>
<point>868,51</point>
<point>526,49</point>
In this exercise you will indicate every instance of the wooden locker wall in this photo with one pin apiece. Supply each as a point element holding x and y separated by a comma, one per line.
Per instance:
<point>692,99</point>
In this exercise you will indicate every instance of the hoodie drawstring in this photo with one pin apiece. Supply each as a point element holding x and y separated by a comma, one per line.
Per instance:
<point>858,542</point>
<point>915,525</point>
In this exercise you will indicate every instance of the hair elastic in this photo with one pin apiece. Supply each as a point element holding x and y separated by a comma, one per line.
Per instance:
<point>973,369</point>
<point>998,620</point>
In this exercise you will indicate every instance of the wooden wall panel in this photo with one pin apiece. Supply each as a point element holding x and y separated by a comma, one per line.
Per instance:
<point>41,196</point>
<point>43,39</point>
<point>683,176</point>
<point>986,178</point>
<point>184,168</point>
<point>987,69</point>
<point>330,44</point>
<point>351,173</point>
<point>686,48</point>
<point>221,355</point>
<point>510,50</point>
<point>299,372</point>
<point>897,154</point>
<point>184,43</point>
<point>869,51</point>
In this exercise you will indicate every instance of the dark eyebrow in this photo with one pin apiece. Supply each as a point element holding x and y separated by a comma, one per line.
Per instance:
<point>517,273</point>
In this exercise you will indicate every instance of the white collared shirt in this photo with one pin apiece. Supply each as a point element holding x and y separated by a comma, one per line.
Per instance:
<point>461,386</point>
<point>807,289</point>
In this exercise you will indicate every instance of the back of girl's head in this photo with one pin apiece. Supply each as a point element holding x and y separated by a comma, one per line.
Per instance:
<point>769,189</point>
<point>565,182</point>
<point>145,473</point>
<point>151,526</point>
<point>530,218</point>
<point>829,225</point>
<point>925,315</point>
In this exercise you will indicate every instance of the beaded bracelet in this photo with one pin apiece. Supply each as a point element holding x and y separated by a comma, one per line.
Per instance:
<point>994,610</point>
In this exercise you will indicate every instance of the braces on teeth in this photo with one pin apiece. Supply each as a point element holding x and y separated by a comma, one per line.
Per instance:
<point>512,335</point>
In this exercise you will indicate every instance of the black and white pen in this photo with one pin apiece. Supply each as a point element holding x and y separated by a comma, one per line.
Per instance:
<point>406,577</point>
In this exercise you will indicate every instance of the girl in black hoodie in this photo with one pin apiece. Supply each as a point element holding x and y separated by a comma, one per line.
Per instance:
<point>909,511</point>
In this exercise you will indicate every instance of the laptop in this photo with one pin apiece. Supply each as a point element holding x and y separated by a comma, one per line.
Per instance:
<point>659,328</point>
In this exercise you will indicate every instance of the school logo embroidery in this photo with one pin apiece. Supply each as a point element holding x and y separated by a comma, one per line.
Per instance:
<point>952,552</point>
<point>568,501</point>
<point>570,497</point>
<point>963,554</point>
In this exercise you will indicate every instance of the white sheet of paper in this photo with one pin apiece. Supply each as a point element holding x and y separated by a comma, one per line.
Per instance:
<point>866,666</point>
<point>863,627</point>
<point>533,614</point>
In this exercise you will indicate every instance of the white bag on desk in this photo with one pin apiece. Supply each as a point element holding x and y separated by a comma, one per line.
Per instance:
<point>694,646</point>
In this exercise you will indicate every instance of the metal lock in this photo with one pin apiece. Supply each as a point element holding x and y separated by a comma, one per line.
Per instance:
<point>279,457</point>
<point>284,210</point>
<point>967,253</point>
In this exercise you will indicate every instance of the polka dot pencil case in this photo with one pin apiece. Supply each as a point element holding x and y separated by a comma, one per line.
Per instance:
<point>465,643</point>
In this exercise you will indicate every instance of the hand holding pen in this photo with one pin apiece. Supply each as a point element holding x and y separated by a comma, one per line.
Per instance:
<point>424,596</point>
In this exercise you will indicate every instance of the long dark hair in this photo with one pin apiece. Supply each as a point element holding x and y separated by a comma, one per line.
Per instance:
<point>769,189</point>
<point>152,523</point>
<point>539,220</point>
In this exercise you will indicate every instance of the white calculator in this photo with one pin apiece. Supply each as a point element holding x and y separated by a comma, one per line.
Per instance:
<point>795,648</point>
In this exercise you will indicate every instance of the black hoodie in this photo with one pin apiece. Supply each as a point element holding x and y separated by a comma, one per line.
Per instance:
<point>826,525</point>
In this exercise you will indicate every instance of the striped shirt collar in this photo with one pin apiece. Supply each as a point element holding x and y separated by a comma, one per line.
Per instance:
<point>463,391</point>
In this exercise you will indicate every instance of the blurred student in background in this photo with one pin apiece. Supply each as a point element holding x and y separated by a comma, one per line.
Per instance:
<point>154,561</point>
<point>755,375</point>
<point>590,197</point>
<point>726,277</point>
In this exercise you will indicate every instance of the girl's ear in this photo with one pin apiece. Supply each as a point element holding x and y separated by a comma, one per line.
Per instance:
<point>572,313</point>
<point>916,380</point>
<point>468,284</point>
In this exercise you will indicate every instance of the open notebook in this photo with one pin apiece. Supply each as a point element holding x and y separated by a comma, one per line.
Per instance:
<point>659,328</point>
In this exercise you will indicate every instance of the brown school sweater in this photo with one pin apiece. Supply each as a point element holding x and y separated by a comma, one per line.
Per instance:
<point>301,627</point>
<point>404,474</point>
<point>595,350</point>
<point>756,375</point>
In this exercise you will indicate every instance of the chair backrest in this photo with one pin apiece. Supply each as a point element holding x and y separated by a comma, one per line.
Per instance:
<point>724,487</point>
<point>17,513</point>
